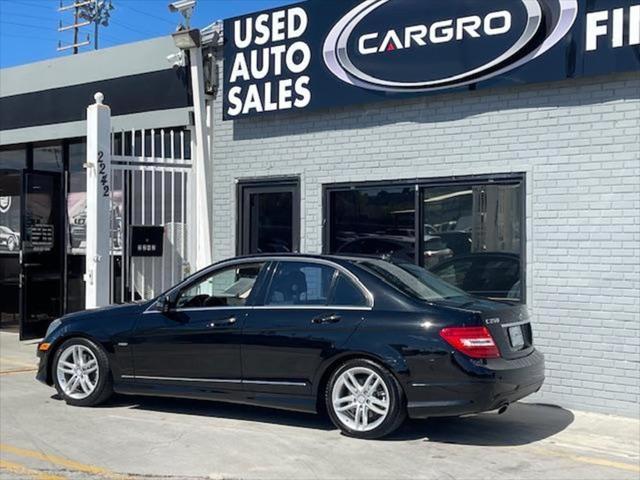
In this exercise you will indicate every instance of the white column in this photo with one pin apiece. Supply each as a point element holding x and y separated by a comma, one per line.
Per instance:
<point>201,170</point>
<point>97,278</point>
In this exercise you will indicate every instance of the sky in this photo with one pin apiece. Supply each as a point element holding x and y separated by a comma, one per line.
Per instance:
<point>29,28</point>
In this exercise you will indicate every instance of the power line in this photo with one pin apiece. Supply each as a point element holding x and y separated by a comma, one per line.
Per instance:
<point>132,28</point>
<point>17,35</point>
<point>24,25</point>
<point>25,15</point>
<point>142,12</point>
<point>35,5</point>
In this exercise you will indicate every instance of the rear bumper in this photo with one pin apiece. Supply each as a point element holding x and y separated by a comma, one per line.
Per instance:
<point>492,385</point>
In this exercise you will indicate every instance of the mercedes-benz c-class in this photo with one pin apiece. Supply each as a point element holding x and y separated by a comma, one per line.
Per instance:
<point>366,340</point>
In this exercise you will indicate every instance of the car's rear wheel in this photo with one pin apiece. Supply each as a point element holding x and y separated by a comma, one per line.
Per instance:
<point>364,400</point>
<point>81,373</point>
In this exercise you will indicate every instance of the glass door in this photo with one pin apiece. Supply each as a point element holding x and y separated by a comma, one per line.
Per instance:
<point>269,218</point>
<point>42,254</point>
<point>10,181</point>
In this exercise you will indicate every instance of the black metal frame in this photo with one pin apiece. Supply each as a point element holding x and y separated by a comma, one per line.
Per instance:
<point>419,184</point>
<point>266,184</point>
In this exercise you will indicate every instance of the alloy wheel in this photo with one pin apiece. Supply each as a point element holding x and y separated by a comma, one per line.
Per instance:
<point>78,371</point>
<point>360,399</point>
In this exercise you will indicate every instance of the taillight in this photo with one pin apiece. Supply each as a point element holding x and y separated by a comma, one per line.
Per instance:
<point>476,342</point>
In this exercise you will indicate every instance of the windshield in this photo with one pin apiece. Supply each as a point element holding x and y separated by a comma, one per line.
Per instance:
<point>412,280</point>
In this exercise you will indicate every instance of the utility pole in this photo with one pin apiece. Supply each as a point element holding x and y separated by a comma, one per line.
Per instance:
<point>97,12</point>
<point>76,26</point>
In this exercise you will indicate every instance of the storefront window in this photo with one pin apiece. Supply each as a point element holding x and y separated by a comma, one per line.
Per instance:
<point>479,228</point>
<point>374,221</point>
<point>10,185</point>
<point>472,234</point>
<point>77,233</point>
<point>48,158</point>
<point>13,159</point>
<point>77,199</point>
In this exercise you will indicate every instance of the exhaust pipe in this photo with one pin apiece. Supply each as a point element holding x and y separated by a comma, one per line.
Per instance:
<point>503,409</point>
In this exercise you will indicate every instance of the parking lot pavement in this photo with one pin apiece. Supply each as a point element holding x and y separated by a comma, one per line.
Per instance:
<point>43,438</point>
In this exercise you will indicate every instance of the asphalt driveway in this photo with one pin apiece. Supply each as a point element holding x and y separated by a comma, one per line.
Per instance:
<point>43,438</point>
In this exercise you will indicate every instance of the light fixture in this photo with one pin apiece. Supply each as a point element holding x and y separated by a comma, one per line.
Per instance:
<point>186,39</point>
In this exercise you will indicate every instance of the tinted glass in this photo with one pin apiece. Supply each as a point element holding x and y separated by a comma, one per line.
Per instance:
<point>230,287</point>
<point>48,158</point>
<point>41,247</point>
<point>13,159</point>
<point>10,185</point>
<point>464,225</point>
<point>345,293</point>
<point>77,199</point>
<point>412,280</point>
<point>373,221</point>
<point>271,222</point>
<point>299,283</point>
<point>76,227</point>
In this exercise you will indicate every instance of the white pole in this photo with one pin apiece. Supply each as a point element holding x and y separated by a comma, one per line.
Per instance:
<point>98,167</point>
<point>201,165</point>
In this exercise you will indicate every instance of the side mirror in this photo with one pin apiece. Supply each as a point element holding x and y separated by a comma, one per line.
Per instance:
<point>167,304</point>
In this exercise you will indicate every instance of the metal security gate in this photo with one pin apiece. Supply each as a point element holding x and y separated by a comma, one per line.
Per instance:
<point>150,184</point>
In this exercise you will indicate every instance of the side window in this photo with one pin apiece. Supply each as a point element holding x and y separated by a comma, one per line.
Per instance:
<point>229,287</point>
<point>346,294</point>
<point>299,283</point>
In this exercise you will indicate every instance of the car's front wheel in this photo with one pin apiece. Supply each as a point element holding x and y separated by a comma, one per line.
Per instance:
<point>364,400</point>
<point>81,373</point>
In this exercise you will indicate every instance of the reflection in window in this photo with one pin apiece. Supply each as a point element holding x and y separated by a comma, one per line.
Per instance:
<point>482,226</point>
<point>227,288</point>
<point>297,283</point>
<point>271,222</point>
<point>374,221</point>
<point>77,199</point>
<point>471,233</point>
<point>345,293</point>
<point>48,158</point>
<point>13,159</point>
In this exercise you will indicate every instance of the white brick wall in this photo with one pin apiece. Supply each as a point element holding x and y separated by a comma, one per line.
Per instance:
<point>579,144</point>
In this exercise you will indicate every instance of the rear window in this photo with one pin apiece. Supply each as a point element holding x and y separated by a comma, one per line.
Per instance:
<point>412,280</point>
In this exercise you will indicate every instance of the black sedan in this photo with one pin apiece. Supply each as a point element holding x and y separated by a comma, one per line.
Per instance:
<point>368,340</point>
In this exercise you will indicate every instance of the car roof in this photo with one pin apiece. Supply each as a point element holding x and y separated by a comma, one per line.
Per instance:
<point>340,259</point>
<point>292,256</point>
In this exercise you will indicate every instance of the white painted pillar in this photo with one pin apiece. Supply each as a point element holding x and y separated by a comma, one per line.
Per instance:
<point>201,169</point>
<point>97,277</point>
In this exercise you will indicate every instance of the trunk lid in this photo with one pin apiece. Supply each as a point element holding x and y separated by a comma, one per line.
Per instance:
<point>508,324</point>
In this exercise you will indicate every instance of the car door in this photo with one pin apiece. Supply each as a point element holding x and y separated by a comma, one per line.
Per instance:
<point>197,343</point>
<point>308,311</point>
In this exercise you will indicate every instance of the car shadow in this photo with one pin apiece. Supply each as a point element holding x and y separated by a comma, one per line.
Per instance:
<point>206,408</point>
<point>521,424</point>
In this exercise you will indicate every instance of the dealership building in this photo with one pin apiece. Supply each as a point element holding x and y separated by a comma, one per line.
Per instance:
<point>510,167</point>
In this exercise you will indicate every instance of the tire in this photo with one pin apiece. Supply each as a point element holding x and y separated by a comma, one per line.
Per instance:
<point>94,386</point>
<point>11,243</point>
<point>383,406</point>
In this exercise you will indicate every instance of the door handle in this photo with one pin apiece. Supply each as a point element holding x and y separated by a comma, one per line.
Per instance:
<point>333,318</point>
<point>223,323</point>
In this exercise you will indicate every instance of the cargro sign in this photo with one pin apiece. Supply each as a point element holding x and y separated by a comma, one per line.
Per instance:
<point>325,53</point>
